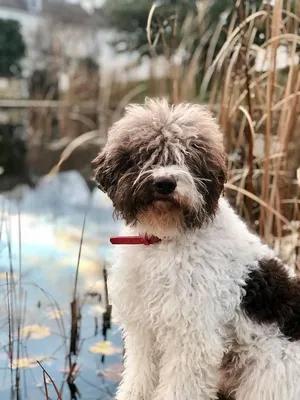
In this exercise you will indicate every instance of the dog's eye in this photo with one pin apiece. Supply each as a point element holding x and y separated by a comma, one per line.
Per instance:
<point>128,164</point>
<point>124,161</point>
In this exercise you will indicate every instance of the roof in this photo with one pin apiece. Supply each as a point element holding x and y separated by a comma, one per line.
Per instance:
<point>72,13</point>
<point>62,11</point>
<point>16,4</point>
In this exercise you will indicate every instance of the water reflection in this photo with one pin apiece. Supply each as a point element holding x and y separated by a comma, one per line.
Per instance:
<point>51,218</point>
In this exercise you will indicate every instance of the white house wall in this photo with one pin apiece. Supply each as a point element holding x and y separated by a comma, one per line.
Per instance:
<point>73,41</point>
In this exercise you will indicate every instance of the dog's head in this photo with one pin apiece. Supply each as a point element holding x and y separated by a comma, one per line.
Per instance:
<point>163,167</point>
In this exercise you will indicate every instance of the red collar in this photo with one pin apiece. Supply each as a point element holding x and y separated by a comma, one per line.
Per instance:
<point>144,239</point>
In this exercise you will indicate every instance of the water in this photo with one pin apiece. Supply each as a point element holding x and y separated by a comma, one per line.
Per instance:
<point>51,219</point>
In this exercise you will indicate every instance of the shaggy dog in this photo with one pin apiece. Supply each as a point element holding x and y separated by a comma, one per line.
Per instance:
<point>205,306</point>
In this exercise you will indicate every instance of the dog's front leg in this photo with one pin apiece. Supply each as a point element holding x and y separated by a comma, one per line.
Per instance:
<point>140,371</point>
<point>188,371</point>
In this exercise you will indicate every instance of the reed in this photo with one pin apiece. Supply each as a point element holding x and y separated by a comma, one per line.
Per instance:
<point>256,102</point>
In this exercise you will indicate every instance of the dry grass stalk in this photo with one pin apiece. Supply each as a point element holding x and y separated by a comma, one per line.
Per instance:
<point>72,146</point>
<point>45,385</point>
<point>51,380</point>
<point>275,30</point>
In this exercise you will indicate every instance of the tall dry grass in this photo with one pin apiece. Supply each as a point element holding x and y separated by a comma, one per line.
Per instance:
<point>259,114</point>
<point>254,98</point>
<point>256,103</point>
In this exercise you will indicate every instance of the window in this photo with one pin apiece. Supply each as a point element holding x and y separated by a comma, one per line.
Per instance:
<point>34,5</point>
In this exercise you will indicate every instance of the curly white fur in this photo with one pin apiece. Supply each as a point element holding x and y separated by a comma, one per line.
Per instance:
<point>178,303</point>
<point>181,302</point>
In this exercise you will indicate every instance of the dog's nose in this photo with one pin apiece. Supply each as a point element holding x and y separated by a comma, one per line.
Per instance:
<point>165,185</point>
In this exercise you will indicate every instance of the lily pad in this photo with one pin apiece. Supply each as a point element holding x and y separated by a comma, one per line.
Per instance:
<point>106,348</point>
<point>35,332</point>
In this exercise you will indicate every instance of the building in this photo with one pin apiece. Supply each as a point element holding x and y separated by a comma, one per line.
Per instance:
<point>54,27</point>
<point>68,30</point>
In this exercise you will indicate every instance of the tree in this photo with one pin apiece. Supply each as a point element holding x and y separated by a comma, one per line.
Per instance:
<point>12,48</point>
<point>130,18</point>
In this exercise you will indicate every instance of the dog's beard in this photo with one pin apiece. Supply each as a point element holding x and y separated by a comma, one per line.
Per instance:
<point>165,204</point>
<point>168,217</point>
<point>162,218</point>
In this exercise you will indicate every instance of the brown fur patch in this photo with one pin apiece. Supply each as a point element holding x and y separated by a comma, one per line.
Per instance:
<point>272,296</point>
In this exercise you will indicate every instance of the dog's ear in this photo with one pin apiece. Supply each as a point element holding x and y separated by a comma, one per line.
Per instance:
<point>111,164</point>
<point>103,177</point>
